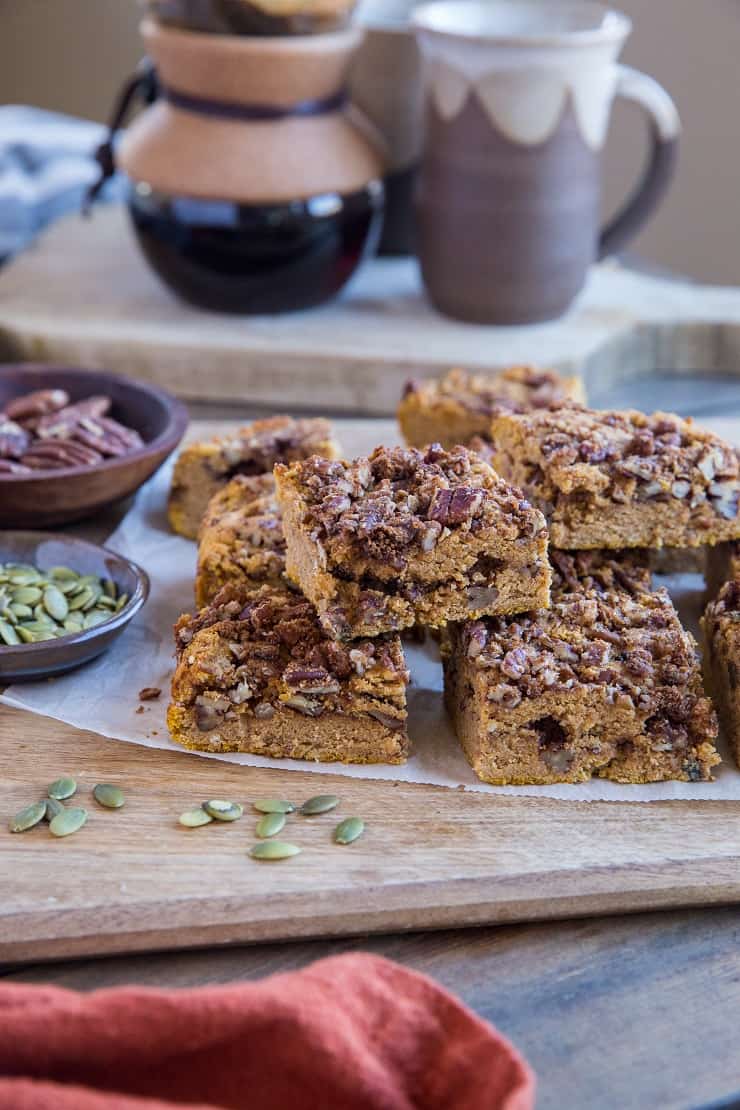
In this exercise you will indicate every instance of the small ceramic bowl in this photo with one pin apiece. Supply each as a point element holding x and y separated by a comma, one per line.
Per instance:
<point>60,496</point>
<point>49,657</point>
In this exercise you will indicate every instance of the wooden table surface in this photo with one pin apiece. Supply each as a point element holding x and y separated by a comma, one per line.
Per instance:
<point>613,1013</point>
<point>627,1012</point>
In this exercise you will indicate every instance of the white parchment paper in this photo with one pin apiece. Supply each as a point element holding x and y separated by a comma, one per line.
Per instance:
<point>102,696</point>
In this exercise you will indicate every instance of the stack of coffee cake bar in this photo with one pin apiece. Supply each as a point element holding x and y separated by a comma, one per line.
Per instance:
<point>519,527</point>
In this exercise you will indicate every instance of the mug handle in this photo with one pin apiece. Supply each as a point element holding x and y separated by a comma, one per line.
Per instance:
<point>665,127</point>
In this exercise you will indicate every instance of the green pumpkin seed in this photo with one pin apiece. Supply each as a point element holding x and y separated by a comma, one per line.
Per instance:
<point>67,586</point>
<point>55,603</point>
<point>29,637</point>
<point>270,824</point>
<point>109,587</point>
<point>52,808</point>
<point>95,617</point>
<point>105,602</point>
<point>28,817</point>
<point>81,599</point>
<point>123,600</point>
<point>223,811</point>
<point>108,795</point>
<point>8,634</point>
<point>24,577</point>
<point>62,788</point>
<point>71,625</point>
<point>27,595</point>
<point>273,805</point>
<point>9,616</point>
<point>97,593</point>
<point>63,573</point>
<point>194,818</point>
<point>349,830</point>
<point>274,850</point>
<point>18,609</point>
<point>40,630</point>
<point>321,803</point>
<point>68,822</point>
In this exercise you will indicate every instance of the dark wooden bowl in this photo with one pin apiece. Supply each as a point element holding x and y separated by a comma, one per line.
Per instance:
<point>22,662</point>
<point>60,496</point>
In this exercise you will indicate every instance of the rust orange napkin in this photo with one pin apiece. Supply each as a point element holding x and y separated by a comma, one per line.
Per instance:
<point>353,1032</point>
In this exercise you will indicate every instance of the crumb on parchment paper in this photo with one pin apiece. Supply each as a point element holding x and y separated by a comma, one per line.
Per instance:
<point>149,693</point>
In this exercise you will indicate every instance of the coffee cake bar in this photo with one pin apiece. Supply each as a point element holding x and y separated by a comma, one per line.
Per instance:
<point>721,628</point>
<point>241,538</point>
<point>621,479</point>
<point>453,409</point>
<point>408,537</point>
<point>203,468</point>
<point>605,683</point>
<point>256,673</point>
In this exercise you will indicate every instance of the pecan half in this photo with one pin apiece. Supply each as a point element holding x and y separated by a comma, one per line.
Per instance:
<point>62,423</point>
<point>32,405</point>
<point>58,455</point>
<point>106,435</point>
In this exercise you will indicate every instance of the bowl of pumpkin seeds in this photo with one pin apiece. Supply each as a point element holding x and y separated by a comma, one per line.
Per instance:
<point>62,602</point>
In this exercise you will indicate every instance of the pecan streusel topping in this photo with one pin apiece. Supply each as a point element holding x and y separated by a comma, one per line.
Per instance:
<point>276,634</point>
<point>397,503</point>
<point>248,508</point>
<point>600,571</point>
<point>256,448</point>
<point>727,602</point>
<point>625,456</point>
<point>516,389</point>
<point>630,644</point>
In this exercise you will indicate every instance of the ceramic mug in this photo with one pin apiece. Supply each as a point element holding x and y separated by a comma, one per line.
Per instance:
<point>518,98</point>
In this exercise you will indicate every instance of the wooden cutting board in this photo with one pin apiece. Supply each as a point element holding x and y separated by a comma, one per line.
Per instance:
<point>431,857</point>
<point>84,295</point>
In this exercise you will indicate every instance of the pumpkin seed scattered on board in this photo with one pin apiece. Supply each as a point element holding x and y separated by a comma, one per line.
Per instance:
<point>222,810</point>
<point>273,805</point>
<point>108,795</point>
<point>38,605</point>
<point>270,824</point>
<point>68,821</point>
<point>62,788</point>
<point>274,850</point>
<point>53,806</point>
<point>320,803</point>
<point>349,830</point>
<point>194,818</point>
<point>28,817</point>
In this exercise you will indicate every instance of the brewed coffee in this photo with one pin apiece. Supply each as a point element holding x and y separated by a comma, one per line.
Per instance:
<point>257,258</point>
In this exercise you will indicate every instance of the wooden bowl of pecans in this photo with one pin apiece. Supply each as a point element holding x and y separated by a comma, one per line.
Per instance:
<point>73,441</point>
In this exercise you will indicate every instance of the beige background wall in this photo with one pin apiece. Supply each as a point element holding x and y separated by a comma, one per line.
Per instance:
<point>73,55</point>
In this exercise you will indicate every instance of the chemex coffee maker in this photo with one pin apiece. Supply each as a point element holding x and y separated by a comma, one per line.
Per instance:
<point>254,186</point>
